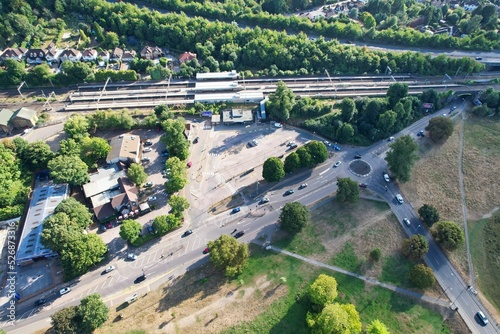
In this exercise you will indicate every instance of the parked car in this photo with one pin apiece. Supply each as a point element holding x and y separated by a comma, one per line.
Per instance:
<point>40,302</point>
<point>357,156</point>
<point>303,185</point>
<point>327,143</point>
<point>164,154</point>
<point>148,143</point>
<point>109,269</point>
<point>289,192</point>
<point>278,125</point>
<point>255,143</point>
<point>196,140</point>
<point>363,185</point>
<point>482,318</point>
<point>336,147</point>
<point>386,177</point>
<point>390,139</point>
<point>206,251</point>
<point>151,229</point>
<point>65,290</point>
<point>188,232</point>
<point>103,228</point>
<point>146,159</point>
<point>290,143</point>
<point>236,210</point>
<point>239,234</point>
<point>148,184</point>
<point>337,164</point>
<point>264,200</point>
<point>152,199</point>
<point>131,256</point>
<point>164,151</point>
<point>109,225</point>
<point>406,221</point>
<point>148,149</point>
<point>420,133</point>
<point>189,164</point>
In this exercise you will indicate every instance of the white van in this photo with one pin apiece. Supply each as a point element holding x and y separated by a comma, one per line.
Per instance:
<point>399,198</point>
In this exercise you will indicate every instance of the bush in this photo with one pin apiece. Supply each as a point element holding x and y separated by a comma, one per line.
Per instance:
<point>375,254</point>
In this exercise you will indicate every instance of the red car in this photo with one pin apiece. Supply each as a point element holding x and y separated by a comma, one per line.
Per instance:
<point>206,251</point>
<point>189,164</point>
<point>363,185</point>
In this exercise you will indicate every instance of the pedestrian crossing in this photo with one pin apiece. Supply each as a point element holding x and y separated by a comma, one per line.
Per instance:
<point>214,154</point>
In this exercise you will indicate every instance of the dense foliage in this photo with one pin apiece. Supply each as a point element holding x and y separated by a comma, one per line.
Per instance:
<point>428,214</point>
<point>402,157</point>
<point>323,291</point>
<point>85,318</point>
<point>293,217</point>
<point>440,128</point>
<point>448,234</point>
<point>273,169</point>
<point>228,254</point>
<point>422,276</point>
<point>348,190</point>
<point>415,247</point>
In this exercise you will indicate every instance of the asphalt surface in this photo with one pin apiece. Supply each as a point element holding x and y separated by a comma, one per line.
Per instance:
<point>164,261</point>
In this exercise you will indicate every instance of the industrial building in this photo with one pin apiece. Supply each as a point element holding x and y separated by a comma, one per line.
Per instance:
<point>236,116</point>
<point>125,148</point>
<point>233,75</point>
<point>236,97</point>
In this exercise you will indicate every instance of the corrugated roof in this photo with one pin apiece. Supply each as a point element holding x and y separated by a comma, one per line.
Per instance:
<point>5,116</point>
<point>25,113</point>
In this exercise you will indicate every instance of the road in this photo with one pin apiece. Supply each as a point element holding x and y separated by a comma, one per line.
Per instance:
<point>165,260</point>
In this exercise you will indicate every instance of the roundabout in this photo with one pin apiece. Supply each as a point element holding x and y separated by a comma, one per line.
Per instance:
<point>360,168</point>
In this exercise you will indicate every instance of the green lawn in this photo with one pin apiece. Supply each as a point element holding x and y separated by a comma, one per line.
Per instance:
<point>287,315</point>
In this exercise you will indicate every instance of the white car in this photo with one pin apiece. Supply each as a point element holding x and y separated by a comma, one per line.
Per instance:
<point>386,177</point>
<point>327,143</point>
<point>131,256</point>
<point>65,290</point>
<point>147,149</point>
<point>152,199</point>
<point>400,199</point>
<point>337,164</point>
<point>148,184</point>
<point>278,125</point>
<point>109,269</point>
<point>406,221</point>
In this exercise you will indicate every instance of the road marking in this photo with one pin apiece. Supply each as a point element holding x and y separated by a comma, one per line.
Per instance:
<point>323,172</point>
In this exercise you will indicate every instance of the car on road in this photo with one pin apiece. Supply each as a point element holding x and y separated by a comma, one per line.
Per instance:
<point>40,302</point>
<point>189,164</point>
<point>140,279</point>
<point>152,199</point>
<point>147,149</point>
<point>357,156</point>
<point>336,147</point>
<point>146,159</point>
<point>289,192</point>
<point>400,199</point>
<point>292,146</point>
<point>65,290</point>
<point>482,318</point>
<point>390,139</point>
<point>264,200</point>
<point>290,143</point>
<point>236,210</point>
<point>406,221</point>
<point>363,185</point>
<point>148,143</point>
<point>109,269</point>
<point>148,184</point>
<point>131,256</point>
<point>164,154</point>
<point>386,177</point>
<point>479,58</point>
<point>239,234</point>
<point>188,232</point>
<point>164,151</point>
<point>303,185</point>
<point>196,140</point>
<point>453,108</point>
<point>337,164</point>
<point>254,142</point>
<point>327,143</point>
<point>206,251</point>
<point>421,133</point>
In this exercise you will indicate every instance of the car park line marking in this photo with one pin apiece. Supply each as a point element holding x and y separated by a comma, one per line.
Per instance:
<point>323,172</point>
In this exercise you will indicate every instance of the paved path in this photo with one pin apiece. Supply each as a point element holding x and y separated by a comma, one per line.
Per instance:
<point>413,294</point>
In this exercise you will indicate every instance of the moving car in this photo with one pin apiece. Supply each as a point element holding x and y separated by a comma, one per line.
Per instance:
<point>188,232</point>
<point>264,200</point>
<point>131,256</point>
<point>303,185</point>
<point>390,139</point>
<point>65,290</point>
<point>148,184</point>
<point>196,140</point>
<point>164,151</point>
<point>479,58</point>
<point>386,177</point>
<point>109,269</point>
<point>406,221</point>
<point>164,154</point>
<point>239,234</point>
<point>140,279</point>
<point>152,199</point>
<point>420,133</point>
<point>363,185</point>
<point>289,192</point>
<point>206,251</point>
<point>337,164</point>
<point>399,198</point>
<point>482,317</point>
<point>40,302</point>
<point>357,156</point>
<point>236,210</point>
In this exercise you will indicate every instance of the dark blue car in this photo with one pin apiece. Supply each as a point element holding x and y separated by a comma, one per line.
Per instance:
<point>236,210</point>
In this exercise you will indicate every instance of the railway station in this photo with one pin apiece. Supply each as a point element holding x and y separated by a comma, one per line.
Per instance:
<point>238,97</point>
<point>232,75</point>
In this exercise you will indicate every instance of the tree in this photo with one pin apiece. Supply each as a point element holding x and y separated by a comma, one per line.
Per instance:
<point>160,109</point>
<point>323,291</point>
<point>178,205</point>
<point>369,21</point>
<point>345,133</point>
<point>292,162</point>
<point>347,109</point>
<point>136,174</point>
<point>69,169</point>
<point>130,230</point>
<point>304,157</point>
<point>348,190</point>
<point>275,6</point>
<point>448,234</point>
<point>59,231</point>
<point>15,72</point>
<point>77,127</point>
<point>317,150</point>
<point>76,211</point>
<point>92,313</point>
<point>336,319</point>
<point>281,102</point>
<point>402,157</point>
<point>428,214</point>
<point>175,183</point>
<point>36,156</point>
<point>93,149</point>
<point>164,224</point>
<point>377,327</point>
<point>228,254</point>
<point>293,217</point>
<point>273,169</point>
<point>422,277</point>
<point>111,40</point>
<point>174,139</point>
<point>375,254</point>
<point>415,247</point>
<point>64,321</point>
<point>440,129</point>
<point>69,147</point>
<point>396,92</point>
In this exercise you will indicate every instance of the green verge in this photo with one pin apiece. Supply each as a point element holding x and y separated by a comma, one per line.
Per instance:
<point>484,239</point>
<point>287,314</point>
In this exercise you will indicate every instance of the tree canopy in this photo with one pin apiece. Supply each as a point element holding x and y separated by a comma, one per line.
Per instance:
<point>440,128</point>
<point>336,319</point>
<point>76,212</point>
<point>294,217</point>
<point>136,174</point>
<point>92,313</point>
<point>228,254</point>
<point>174,139</point>
<point>130,230</point>
<point>273,169</point>
<point>323,291</point>
<point>164,224</point>
<point>348,190</point>
<point>292,162</point>
<point>428,214</point>
<point>281,102</point>
<point>448,234</point>
<point>69,169</point>
<point>415,247</point>
<point>422,277</point>
<point>178,204</point>
<point>401,157</point>
<point>377,327</point>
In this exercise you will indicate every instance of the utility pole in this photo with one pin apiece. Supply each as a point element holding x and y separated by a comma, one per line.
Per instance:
<point>19,88</point>
<point>103,89</point>
<point>329,78</point>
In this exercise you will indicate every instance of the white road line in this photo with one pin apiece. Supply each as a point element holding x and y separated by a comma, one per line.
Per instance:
<point>323,172</point>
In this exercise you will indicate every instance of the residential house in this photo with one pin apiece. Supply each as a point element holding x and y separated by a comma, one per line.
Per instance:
<point>116,55</point>
<point>187,56</point>
<point>14,53</point>
<point>89,55</point>
<point>36,56</point>
<point>72,55</point>
<point>5,123</point>
<point>24,117</point>
<point>128,55</point>
<point>125,148</point>
<point>104,55</point>
<point>53,54</point>
<point>149,52</point>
